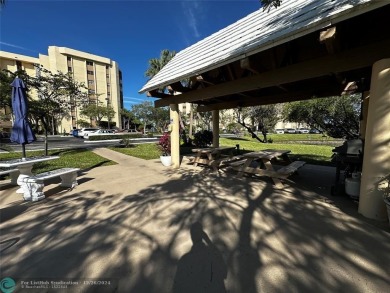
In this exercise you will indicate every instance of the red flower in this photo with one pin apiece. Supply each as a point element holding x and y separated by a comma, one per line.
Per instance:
<point>164,144</point>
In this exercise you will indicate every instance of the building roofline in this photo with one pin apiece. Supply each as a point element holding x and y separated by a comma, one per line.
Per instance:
<point>345,10</point>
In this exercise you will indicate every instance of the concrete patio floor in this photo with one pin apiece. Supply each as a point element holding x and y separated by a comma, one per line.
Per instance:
<point>130,223</point>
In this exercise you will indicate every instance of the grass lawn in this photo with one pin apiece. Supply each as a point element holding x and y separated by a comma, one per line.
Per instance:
<point>146,151</point>
<point>313,154</point>
<point>86,159</point>
<point>75,158</point>
<point>290,138</point>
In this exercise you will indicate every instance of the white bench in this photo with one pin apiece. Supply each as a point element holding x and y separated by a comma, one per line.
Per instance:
<point>14,173</point>
<point>33,185</point>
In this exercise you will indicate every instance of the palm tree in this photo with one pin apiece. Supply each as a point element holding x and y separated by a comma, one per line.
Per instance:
<point>267,4</point>
<point>156,64</point>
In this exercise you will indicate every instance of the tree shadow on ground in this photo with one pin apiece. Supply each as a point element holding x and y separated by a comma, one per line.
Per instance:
<point>270,239</point>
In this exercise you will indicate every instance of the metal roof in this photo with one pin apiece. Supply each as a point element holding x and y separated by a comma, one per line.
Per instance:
<point>257,32</point>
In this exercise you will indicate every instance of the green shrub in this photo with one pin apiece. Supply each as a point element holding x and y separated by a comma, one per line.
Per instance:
<point>125,142</point>
<point>203,138</point>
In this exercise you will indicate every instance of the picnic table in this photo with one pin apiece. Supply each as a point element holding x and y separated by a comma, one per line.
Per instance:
<point>212,156</point>
<point>24,166</point>
<point>262,163</point>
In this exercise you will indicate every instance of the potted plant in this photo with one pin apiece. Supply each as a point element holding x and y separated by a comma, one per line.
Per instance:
<point>164,145</point>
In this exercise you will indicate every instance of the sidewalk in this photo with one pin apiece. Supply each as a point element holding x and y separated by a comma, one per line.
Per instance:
<point>130,223</point>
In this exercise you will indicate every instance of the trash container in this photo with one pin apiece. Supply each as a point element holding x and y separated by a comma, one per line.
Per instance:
<point>352,186</point>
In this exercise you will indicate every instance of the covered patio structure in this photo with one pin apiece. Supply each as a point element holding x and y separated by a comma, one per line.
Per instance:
<point>303,49</point>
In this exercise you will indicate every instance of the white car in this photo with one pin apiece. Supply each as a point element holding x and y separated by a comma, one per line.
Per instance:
<point>85,131</point>
<point>303,130</point>
<point>290,130</point>
<point>279,131</point>
<point>99,132</point>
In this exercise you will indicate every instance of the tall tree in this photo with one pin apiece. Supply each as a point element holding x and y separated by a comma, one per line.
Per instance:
<point>143,112</point>
<point>127,117</point>
<point>156,64</point>
<point>160,118</point>
<point>265,117</point>
<point>57,94</point>
<point>339,117</point>
<point>268,4</point>
<point>97,112</point>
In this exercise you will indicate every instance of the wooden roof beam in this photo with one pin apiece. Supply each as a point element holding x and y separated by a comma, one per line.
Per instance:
<point>270,99</point>
<point>157,94</point>
<point>246,64</point>
<point>178,87</point>
<point>201,79</point>
<point>338,62</point>
<point>329,38</point>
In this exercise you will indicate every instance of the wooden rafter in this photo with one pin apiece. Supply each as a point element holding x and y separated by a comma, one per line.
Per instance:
<point>246,64</point>
<point>178,87</point>
<point>157,94</point>
<point>328,37</point>
<point>338,62</point>
<point>269,99</point>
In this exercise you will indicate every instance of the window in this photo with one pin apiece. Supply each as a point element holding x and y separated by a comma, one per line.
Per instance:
<point>69,69</point>
<point>90,72</point>
<point>91,91</point>
<point>90,63</point>
<point>69,58</point>
<point>107,75</point>
<point>90,81</point>
<point>19,65</point>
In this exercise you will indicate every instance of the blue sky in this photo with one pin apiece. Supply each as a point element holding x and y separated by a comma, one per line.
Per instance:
<point>129,32</point>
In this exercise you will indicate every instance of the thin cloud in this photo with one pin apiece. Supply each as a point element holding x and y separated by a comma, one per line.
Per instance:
<point>191,10</point>
<point>16,46</point>
<point>132,100</point>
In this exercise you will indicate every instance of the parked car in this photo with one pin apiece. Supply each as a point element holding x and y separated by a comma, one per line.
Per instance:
<point>75,132</point>
<point>279,131</point>
<point>316,131</point>
<point>85,131</point>
<point>302,130</point>
<point>289,130</point>
<point>99,132</point>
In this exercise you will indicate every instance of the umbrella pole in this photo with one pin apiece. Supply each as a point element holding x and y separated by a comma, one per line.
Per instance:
<point>23,151</point>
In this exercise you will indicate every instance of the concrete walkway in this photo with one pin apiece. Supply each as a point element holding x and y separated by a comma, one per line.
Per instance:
<point>130,224</point>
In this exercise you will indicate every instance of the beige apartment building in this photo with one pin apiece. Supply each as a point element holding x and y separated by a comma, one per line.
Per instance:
<point>100,75</point>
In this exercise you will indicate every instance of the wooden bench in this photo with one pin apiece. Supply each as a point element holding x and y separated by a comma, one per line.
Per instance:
<point>14,173</point>
<point>288,170</point>
<point>33,185</point>
<point>234,161</point>
<point>276,175</point>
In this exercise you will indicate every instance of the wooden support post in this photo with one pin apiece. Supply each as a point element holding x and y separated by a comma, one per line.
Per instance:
<point>376,161</point>
<point>215,128</point>
<point>175,135</point>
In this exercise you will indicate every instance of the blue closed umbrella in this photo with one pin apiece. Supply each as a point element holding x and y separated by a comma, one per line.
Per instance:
<point>21,131</point>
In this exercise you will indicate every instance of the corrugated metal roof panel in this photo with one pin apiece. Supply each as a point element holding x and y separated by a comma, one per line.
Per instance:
<point>257,32</point>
